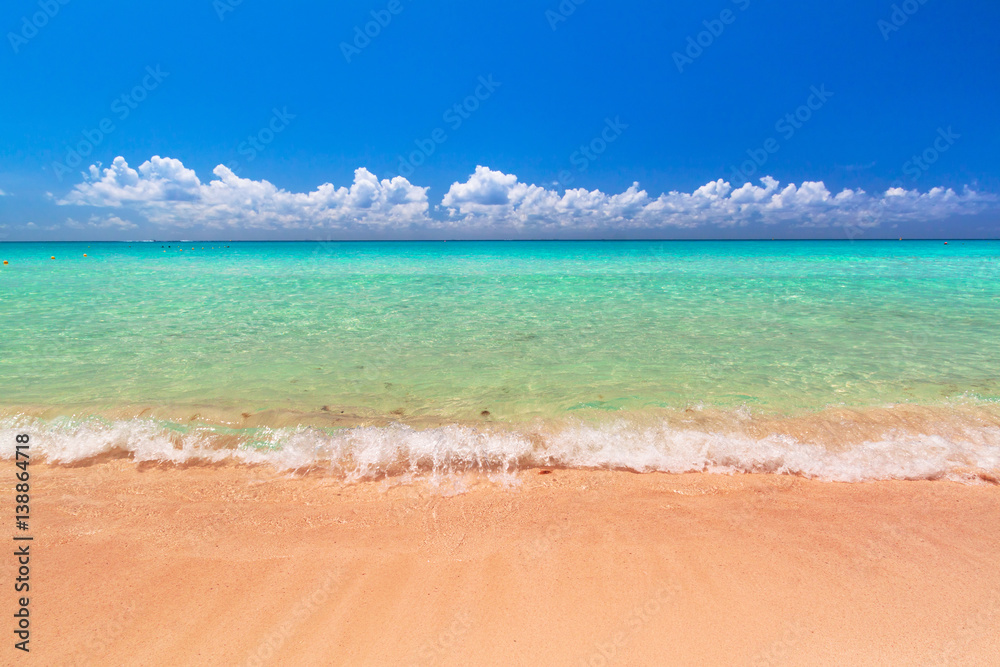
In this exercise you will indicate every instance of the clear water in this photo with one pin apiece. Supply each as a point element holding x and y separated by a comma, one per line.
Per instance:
<point>521,330</point>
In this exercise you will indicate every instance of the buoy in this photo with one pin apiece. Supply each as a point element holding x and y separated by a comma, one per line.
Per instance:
<point>53,256</point>
<point>5,261</point>
<point>946,243</point>
<point>84,254</point>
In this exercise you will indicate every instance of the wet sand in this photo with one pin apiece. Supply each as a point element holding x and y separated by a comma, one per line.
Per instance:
<point>227,565</point>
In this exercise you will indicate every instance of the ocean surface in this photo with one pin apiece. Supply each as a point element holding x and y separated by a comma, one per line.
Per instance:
<point>832,359</point>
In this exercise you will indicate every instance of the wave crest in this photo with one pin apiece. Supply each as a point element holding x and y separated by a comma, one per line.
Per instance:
<point>970,453</point>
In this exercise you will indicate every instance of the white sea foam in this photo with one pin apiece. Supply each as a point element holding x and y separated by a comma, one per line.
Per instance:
<point>972,454</point>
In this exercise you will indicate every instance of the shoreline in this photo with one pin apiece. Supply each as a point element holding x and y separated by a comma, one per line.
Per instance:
<point>959,442</point>
<point>855,422</point>
<point>241,565</point>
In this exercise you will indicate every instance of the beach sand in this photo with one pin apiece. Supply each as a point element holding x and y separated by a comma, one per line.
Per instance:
<point>203,565</point>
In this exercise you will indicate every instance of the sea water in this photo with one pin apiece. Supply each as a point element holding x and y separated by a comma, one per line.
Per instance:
<point>834,359</point>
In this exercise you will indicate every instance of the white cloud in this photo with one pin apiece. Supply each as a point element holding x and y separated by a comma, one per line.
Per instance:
<point>169,194</point>
<point>492,198</point>
<point>2,193</point>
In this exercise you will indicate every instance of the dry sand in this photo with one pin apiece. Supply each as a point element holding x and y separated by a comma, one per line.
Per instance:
<point>236,565</point>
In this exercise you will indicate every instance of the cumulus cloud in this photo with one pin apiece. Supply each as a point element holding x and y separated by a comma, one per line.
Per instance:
<point>168,193</point>
<point>2,193</point>
<point>497,199</point>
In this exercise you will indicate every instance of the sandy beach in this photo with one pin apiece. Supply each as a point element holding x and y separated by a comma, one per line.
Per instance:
<point>570,333</point>
<point>233,565</point>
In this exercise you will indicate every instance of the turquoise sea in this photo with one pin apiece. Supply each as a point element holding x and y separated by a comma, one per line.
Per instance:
<point>835,359</point>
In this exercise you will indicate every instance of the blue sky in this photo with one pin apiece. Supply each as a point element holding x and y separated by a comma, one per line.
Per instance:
<point>562,110</point>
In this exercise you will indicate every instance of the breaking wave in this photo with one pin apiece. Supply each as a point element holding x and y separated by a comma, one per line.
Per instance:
<point>968,451</point>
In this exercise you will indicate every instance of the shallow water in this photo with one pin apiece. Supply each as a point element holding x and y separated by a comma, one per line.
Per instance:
<point>518,337</point>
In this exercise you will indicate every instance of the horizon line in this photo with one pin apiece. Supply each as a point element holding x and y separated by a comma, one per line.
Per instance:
<point>549,240</point>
